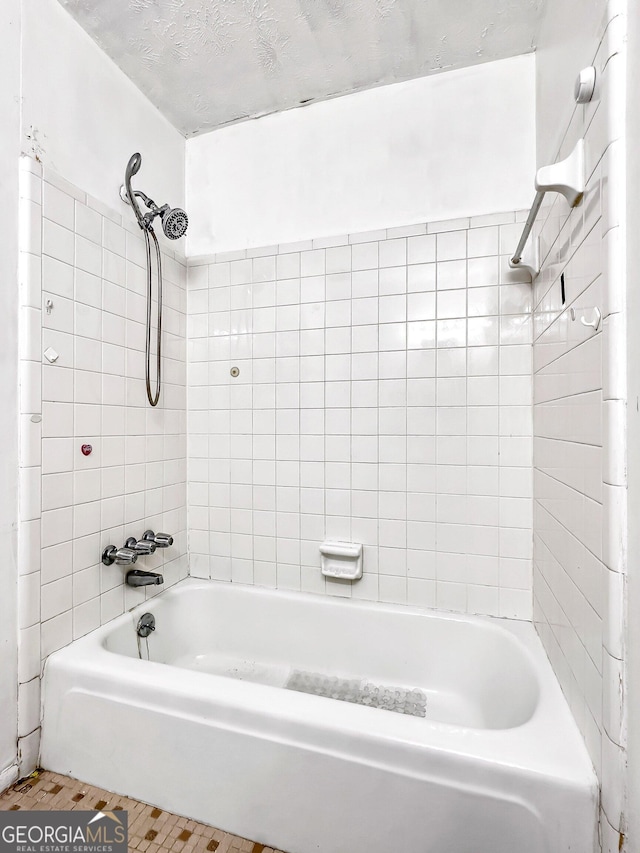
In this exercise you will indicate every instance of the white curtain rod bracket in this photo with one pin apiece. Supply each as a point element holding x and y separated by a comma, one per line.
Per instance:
<point>529,258</point>
<point>566,178</point>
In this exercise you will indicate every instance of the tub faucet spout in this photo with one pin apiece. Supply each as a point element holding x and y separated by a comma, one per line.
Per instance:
<point>136,577</point>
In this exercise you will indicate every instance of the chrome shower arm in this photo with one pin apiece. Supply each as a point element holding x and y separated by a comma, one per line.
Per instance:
<point>124,195</point>
<point>154,211</point>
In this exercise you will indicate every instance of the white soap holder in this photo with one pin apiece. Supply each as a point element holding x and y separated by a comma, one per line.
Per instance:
<point>341,560</point>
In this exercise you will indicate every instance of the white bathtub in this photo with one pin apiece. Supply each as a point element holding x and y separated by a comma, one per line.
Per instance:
<point>205,729</point>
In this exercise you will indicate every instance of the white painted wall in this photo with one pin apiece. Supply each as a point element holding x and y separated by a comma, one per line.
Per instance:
<point>441,147</point>
<point>86,117</point>
<point>9,151</point>
<point>568,39</point>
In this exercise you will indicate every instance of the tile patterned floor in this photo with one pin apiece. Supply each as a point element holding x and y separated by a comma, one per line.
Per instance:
<point>151,830</point>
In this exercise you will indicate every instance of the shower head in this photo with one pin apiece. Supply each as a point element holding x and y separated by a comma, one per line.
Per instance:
<point>126,192</point>
<point>174,222</point>
<point>133,166</point>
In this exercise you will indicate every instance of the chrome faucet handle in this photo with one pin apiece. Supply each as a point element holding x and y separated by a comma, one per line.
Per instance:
<point>119,556</point>
<point>142,547</point>
<point>161,540</point>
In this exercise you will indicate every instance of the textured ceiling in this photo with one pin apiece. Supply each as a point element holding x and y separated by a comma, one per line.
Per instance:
<point>205,63</point>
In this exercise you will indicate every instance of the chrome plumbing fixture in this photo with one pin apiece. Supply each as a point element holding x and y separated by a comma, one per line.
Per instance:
<point>174,224</point>
<point>174,220</point>
<point>142,547</point>
<point>120,556</point>
<point>146,624</point>
<point>134,548</point>
<point>160,540</point>
<point>136,577</point>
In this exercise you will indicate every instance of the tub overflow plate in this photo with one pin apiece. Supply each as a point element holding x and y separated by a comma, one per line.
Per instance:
<point>146,624</point>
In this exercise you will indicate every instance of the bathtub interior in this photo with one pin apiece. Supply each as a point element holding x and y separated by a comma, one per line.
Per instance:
<point>472,672</point>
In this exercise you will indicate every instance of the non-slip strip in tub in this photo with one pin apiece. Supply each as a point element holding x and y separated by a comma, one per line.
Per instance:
<point>401,701</point>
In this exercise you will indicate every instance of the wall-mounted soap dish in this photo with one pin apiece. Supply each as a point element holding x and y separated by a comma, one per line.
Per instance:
<point>341,560</point>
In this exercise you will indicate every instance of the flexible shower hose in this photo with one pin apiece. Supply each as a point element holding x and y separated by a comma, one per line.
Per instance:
<point>153,397</point>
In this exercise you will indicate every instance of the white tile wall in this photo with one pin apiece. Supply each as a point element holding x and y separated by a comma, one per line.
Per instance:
<point>383,397</point>
<point>579,441</point>
<point>79,259</point>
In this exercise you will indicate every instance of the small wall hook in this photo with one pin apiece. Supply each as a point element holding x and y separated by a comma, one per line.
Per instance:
<point>595,323</point>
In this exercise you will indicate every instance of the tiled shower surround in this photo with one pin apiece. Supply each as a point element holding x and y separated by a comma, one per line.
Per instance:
<point>579,433</point>
<point>83,295</point>
<point>373,388</point>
